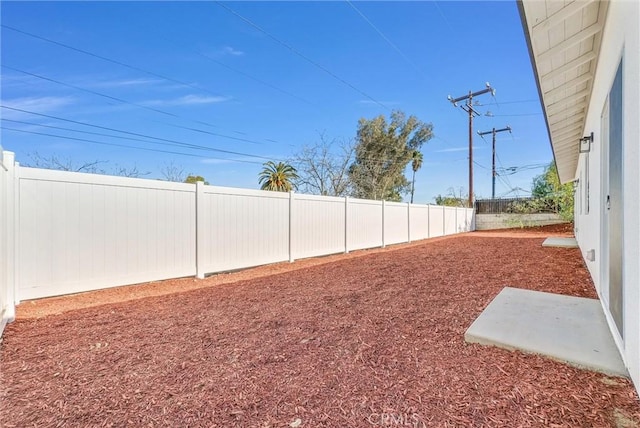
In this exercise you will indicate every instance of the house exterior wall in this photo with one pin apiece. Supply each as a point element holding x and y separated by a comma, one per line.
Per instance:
<point>620,42</point>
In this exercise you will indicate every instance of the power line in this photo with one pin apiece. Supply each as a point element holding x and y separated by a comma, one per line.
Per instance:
<point>516,169</point>
<point>186,145</point>
<point>170,142</point>
<point>113,61</point>
<point>247,75</point>
<point>512,115</point>
<point>68,85</point>
<point>444,18</point>
<point>386,39</point>
<point>163,141</point>
<point>74,130</point>
<point>104,143</point>
<point>515,102</point>
<point>501,166</point>
<point>151,73</point>
<point>126,146</point>
<point>120,100</point>
<point>300,54</point>
<point>493,132</point>
<point>468,107</point>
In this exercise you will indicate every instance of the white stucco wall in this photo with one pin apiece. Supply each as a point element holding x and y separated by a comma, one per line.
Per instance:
<point>621,41</point>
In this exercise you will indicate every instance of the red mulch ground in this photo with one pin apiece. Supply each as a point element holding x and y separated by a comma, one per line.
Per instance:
<point>343,341</point>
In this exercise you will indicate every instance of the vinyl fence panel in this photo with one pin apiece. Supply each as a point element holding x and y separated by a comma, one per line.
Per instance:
<point>4,234</point>
<point>436,221</point>
<point>7,238</point>
<point>396,223</point>
<point>463,219</point>
<point>419,222</point>
<point>65,232</point>
<point>364,224</point>
<point>82,232</point>
<point>450,222</point>
<point>318,225</point>
<point>471,220</point>
<point>241,228</point>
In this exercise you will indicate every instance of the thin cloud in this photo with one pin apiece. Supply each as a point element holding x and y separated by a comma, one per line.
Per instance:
<point>457,149</point>
<point>228,50</point>
<point>373,103</point>
<point>37,104</point>
<point>214,161</point>
<point>188,100</point>
<point>128,83</point>
<point>10,80</point>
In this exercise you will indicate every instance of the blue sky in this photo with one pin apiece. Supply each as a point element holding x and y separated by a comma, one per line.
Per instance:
<point>179,65</point>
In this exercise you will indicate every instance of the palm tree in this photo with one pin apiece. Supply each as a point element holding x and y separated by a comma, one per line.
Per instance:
<point>416,164</point>
<point>278,177</point>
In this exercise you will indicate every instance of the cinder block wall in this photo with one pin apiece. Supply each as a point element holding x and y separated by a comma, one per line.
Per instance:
<point>508,221</point>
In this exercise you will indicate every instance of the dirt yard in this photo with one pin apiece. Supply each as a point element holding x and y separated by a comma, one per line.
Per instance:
<point>373,338</point>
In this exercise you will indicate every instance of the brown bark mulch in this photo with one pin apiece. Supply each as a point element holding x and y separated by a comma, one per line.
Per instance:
<point>366,339</point>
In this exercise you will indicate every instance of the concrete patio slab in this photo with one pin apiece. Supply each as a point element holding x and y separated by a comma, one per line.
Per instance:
<point>566,328</point>
<point>556,241</point>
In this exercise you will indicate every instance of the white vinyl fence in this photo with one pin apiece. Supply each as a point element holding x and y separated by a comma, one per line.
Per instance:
<point>7,238</point>
<point>65,232</point>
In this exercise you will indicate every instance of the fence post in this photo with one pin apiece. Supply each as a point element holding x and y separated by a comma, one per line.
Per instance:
<point>408,222</point>
<point>383,208</point>
<point>444,223</point>
<point>16,234</point>
<point>346,224</point>
<point>428,221</point>
<point>200,230</point>
<point>472,223</point>
<point>291,198</point>
<point>11,246</point>
<point>457,228</point>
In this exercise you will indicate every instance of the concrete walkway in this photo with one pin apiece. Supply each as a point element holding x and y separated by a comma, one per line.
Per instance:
<point>556,241</point>
<point>566,328</point>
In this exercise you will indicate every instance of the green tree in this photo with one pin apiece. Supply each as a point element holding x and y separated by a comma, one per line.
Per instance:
<point>382,153</point>
<point>194,178</point>
<point>279,177</point>
<point>416,164</point>
<point>556,196</point>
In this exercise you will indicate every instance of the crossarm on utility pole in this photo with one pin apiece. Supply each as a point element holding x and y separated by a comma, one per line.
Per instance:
<point>468,107</point>
<point>493,132</point>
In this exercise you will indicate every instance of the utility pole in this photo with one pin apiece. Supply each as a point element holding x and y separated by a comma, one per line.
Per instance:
<point>468,107</point>
<point>494,131</point>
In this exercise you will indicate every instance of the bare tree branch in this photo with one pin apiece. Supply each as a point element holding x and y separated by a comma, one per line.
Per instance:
<point>54,162</point>
<point>323,167</point>
<point>173,172</point>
